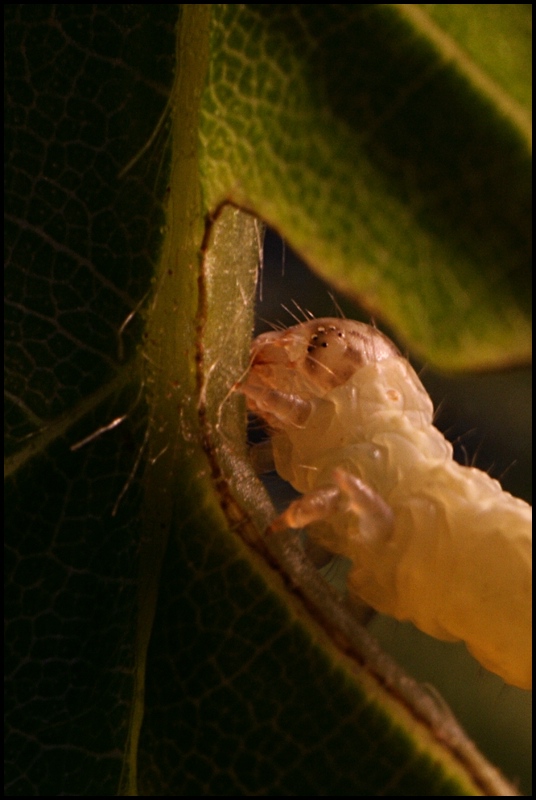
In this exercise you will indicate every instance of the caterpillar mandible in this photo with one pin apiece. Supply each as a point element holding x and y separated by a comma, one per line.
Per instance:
<point>430,541</point>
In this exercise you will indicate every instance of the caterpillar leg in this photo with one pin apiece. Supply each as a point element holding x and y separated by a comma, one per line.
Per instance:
<point>262,457</point>
<point>314,506</point>
<point>374,513</point>
<point>348,496</point>
<point>279,409</point>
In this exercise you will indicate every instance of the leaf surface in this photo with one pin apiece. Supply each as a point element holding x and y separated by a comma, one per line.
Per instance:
<point>390,145</point>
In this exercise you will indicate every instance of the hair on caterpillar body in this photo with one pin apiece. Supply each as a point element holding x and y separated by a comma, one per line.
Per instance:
<point>430,540</point>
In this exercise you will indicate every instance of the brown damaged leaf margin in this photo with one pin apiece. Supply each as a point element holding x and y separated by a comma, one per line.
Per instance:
<point>282,562</point>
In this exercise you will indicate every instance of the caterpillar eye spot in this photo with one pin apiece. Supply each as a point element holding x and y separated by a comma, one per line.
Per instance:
<point>431,541</point>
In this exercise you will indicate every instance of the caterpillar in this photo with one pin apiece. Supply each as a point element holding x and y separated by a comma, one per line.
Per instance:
<point>430,541</point>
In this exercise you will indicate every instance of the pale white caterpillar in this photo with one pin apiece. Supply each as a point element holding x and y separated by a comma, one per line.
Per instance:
<point>430,541</point>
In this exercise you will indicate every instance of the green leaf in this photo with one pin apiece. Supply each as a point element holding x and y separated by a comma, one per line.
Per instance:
<point>390,145</point>
<point>85,88</point>
<point>156,644</point>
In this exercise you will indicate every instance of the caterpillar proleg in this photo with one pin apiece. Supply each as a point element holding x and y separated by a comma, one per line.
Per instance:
<point>430,541</point>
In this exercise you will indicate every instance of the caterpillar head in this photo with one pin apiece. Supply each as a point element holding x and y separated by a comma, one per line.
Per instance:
<point>316,356</point>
